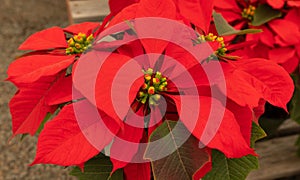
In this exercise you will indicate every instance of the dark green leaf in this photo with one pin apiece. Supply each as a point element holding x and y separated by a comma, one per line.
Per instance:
<point>185,157</point>
<point>69,70</point>
<point>48,115</point>
<point>257,133</point>
<point>225,29</point>
<point>230,169</point>
<point>264,14</point>
<point>97,168</point>
<point>295,102</point>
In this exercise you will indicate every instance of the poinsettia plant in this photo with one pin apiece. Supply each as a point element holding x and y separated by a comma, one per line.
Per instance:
<point>159,89</point>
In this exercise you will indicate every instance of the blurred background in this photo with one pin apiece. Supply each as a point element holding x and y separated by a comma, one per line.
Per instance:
<point>19,19</point>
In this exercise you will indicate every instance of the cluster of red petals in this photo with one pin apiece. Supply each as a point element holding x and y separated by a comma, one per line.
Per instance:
<point>44,87</point>
<point>280,39</point>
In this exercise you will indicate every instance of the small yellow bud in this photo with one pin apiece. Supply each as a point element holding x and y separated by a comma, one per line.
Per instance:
<point>147,77</point>
<point>158,75</point>
<point>161,88</point>
<point>141,94</point>
<point>90,38</point>
<point>220,39</point>
<point>71,42</point>
<point>77,46</point>
<point>82,35</point>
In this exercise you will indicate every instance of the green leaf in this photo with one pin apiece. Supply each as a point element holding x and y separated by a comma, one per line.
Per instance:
<point>295,102</point>
<point>230,169</point>
<point>294,106</point>
<point>225,29</point>
<point>257,134</point>
<point>235,168</point>
<point>298,145</point>
<point>185,157</point>
<point>69,70</point>
<point>264,14</point>
<point>97,168</point>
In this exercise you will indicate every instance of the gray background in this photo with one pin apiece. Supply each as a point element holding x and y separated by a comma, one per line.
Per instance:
<point>19,19</point>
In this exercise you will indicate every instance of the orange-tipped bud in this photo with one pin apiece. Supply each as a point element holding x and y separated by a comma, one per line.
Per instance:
<point>145,86</point>
<point>156,81</point>
<point>78,39</point>
<point>151,90</point>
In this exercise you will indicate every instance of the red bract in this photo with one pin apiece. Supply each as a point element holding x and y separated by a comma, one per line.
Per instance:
<point>62,142</point>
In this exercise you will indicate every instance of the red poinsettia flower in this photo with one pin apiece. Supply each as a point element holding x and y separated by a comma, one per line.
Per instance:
<point>40,74</point>
<point>234,107</point>
<point>276,42</point>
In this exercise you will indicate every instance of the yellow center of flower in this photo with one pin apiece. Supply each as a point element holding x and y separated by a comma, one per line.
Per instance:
<point>153,85</point>
<point>220,49</point>
<point>79,43</point>
<point>248,13</point>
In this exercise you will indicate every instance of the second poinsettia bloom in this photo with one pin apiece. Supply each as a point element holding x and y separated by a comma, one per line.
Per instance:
<point>280,38</point>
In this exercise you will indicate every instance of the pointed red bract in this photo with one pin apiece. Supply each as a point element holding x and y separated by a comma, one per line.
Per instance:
<point>28,107</point>
<point>47,39</point>
<point>29,69</point>
<point>62,141</point>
